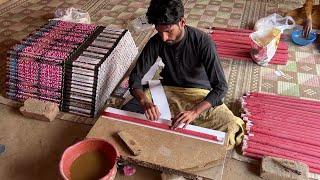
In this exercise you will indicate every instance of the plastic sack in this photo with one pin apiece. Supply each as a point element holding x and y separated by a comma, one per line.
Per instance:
<point>265,40</point>
<point>140,24</point>
<point>274,21</point>
<point>72,15</point>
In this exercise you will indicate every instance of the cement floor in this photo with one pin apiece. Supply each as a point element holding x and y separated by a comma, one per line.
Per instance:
<point>33,150</point>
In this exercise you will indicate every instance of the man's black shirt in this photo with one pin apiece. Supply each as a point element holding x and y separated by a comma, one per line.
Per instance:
<point>192,62</point>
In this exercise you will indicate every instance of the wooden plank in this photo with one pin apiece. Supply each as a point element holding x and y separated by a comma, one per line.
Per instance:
<point>131,143</point>
<point>164,151</point>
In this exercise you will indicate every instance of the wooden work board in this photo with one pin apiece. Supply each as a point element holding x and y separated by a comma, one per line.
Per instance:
<point>164,151</point>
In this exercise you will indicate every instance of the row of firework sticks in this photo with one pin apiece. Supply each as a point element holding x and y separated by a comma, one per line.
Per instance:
<point>72,64</point>
<point>282,126</point>
<point>35,65</point>
<point>236,44</point>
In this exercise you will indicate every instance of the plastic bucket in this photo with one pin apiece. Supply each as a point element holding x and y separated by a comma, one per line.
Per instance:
<point>86,146</point>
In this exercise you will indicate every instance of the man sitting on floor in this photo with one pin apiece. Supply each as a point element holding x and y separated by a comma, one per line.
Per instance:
<point>308,16</point>
<point>193,78</point>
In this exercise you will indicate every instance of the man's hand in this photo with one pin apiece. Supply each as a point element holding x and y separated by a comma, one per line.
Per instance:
<point>307,27</point>
<point>188,116</point>
<point>183,117</point>
<point>151,111</point>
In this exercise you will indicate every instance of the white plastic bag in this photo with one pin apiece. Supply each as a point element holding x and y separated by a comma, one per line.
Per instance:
<point>274,21</point>
<point>72,15</point>
<point>140,24</point>
<point>265,40</point>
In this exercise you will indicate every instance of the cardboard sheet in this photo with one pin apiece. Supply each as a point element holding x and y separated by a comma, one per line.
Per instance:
<point>163,150</point>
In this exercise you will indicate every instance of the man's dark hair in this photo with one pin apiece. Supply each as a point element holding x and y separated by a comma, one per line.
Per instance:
<point>165,12</point>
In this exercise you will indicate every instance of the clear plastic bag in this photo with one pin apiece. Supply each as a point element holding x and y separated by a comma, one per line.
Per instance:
<point>265,40</point>
<point>72,15</point>
<point>274,21</point>
<point>140,24</point>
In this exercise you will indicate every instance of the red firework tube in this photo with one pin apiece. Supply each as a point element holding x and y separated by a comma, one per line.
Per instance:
<point>161,126</point>
<point>286,135</point>
<point>260,156</point>
<point>281,57</point>
<point>278,116</point>
<point>230,40</point>
<point>283,133</point>
<point>286,144</point>
<point>313,148</point>
<point>296,125</point>
<point>229,44</point>
<point>287,126</point>
<point>286,98</point>
<point>240,30</point>
<point>274,100</point>
<point>280,54</point>
<point>237,51</point>
<point>280,111</point>
<point>291,131</point>
<point>247,56</point>
<point>305,123</point>
<point>297,121</point>
<point>283,152</point>
<point>247,45</point>
<point>222,38</point>
<point>230,33</point>
<point>282,46</point>
<point>233,30</point>
<point>270,108</point>
<point>256,118</point>
<point>240,39</point>
<point>293,120</point>
<point>274,151</point>
<point>269,113</point>
<point>245,53</point>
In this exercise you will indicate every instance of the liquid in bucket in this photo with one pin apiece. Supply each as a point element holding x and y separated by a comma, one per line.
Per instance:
<point>91,165</point>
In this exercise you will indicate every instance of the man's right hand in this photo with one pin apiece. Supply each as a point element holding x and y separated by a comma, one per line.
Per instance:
<point>307,27</point>
<point>151,111</point>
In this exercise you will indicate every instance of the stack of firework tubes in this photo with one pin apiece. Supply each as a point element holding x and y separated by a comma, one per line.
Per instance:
<point>282,126</point>
<point>236,44</point>
<point>93,75</point>
<point>75,65</point>
<point>35,65</point>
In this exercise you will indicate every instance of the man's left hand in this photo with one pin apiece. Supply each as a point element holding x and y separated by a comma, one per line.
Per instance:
<point>185,117</point>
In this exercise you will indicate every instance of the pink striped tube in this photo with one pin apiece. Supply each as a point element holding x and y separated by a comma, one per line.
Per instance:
<point>285,135</point>
<point>285,144</point>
